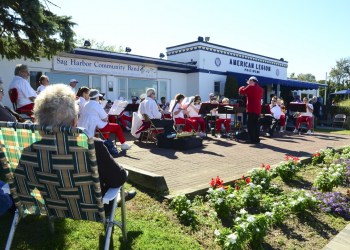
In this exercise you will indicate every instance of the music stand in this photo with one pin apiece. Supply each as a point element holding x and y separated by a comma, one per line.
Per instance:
<point>228,109</point>
<point>297,107</point>
<point>205,108</point>
<point>265,109</point>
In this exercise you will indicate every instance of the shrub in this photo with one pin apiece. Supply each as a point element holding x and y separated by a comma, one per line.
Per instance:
<point>330,177</point>
<point>261,176</point>
<point>335,203</point>
<point>184,210</point>
<point>288,169</point>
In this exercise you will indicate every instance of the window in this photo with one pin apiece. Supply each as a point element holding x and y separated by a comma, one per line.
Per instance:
<point>96,82</point>
<point>83,80</point>
<point>137,87</point>
<point>217,88</point>
<point>163,86</point>
<point>122,83</point>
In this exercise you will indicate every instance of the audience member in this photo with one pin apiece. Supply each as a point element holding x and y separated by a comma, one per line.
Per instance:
<point>83,95</point>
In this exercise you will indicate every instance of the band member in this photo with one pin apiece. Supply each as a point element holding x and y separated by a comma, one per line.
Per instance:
<point>195,119</point>
<point>305,117</point>
<point>272,119</point>
<point>223,119</point>
<point>254,95</point>
<point>178,111</point>
<point>164,105</point>
<point>282,121</point>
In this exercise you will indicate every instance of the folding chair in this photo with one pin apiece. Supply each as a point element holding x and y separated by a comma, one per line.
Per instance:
<point>151,131</point>
<point>13,94</point>
<point>53,171</point>
<point>339,119</point>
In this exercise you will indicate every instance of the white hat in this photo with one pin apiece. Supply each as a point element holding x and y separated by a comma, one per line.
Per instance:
<point>211,94</point>
<point>73,80</point>
<point>253,78</point>
<point>94,93</point>
<point>143,96</point>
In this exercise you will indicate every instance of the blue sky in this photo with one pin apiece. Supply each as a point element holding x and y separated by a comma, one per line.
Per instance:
<point>310,34</point>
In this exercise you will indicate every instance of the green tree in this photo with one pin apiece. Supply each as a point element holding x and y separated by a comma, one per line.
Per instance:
<point>306,77</point>
<point>292,76</point>
<point>98,45</point>
<point>30,30</point>
<point>340,74</point>
<point>231,87</point>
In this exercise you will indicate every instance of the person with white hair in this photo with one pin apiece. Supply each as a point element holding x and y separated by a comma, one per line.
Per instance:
<point>6,114</point>
<point>56,106</point>
<point>94,116</point>
<point>149,107</point>
<point>26,94</point>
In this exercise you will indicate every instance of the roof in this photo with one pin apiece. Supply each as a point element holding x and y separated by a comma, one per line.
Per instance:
<point>341,92</point>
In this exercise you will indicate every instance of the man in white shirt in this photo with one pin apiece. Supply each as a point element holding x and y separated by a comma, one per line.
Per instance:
<point>72,84</point>
<point>26,94</point>
<point>305,117</point>
<point>149,107</point>
<point>273,118</point>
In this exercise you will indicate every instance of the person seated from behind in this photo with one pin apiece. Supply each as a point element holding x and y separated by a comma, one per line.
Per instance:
<point>195,119</point>
<point>94,116</point>
<point>83,95</point>
<point>223,119</point>
<point>57,107</point>
<point>44,82</point>
<point>305,117</point>
<point>149,107</point>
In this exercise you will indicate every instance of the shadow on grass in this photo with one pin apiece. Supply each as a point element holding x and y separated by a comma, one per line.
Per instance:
<point>299,182</point>
<point>131,237</point>
<point>323,229</point>
<point>290,234</point>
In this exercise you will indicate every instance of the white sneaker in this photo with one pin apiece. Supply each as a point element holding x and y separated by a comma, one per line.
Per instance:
<point>127,128</point>
<point>281,130</point>
<point>295,131</point>
<point>309,132</point>
<point>125,146</point>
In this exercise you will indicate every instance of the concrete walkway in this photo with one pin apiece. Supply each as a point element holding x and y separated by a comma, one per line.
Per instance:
<point>189,171</point>
<point>341,241</point>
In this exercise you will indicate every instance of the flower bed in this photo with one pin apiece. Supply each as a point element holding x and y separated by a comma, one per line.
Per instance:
<point>247,211</point>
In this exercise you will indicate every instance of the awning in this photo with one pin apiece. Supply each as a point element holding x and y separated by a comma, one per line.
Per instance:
<point>263,81</point>
<point>341,92</point>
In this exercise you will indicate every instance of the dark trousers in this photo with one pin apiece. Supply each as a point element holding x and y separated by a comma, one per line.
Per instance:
<point>253,127</point>
<point>168,125</point>
<point>269,121</point>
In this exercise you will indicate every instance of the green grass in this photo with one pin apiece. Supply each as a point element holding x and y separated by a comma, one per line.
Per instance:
<point>333,131</point>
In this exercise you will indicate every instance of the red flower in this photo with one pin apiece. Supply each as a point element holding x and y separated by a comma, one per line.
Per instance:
<point>267,167</point>
<point>317,154</point>
<point>243,177</point>
<point>247,180</point>
<point>216,183</point>
<point>237,187</point>
<point>262,165</point>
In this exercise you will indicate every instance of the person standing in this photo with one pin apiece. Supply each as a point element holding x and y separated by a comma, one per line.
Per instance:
<point>254,94</point>
<point>317,106</point>
<point>26,94</point>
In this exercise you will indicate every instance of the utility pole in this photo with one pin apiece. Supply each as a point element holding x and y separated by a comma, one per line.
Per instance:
<point>325,92</point>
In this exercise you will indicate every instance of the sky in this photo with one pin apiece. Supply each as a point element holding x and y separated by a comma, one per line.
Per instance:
<point>310,34</point>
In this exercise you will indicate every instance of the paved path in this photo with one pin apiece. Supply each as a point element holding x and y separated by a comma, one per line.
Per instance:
<point>191,170</point>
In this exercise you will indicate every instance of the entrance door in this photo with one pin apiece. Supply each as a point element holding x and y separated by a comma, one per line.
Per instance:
<point>111,88</point>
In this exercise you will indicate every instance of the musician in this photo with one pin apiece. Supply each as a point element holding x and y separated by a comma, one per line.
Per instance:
<point>149,107</point>
<point>254,95</point>
<point>282,121</point>
<point>223,119</point>
<point>273,118</point>
<point>178,110</point>
<point>194,118</point>
<point>305,117</point>
<point>83,95</point>
<point>6,114</point>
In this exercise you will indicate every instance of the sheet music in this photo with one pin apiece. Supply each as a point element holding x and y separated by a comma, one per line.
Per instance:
<point>117,107</point>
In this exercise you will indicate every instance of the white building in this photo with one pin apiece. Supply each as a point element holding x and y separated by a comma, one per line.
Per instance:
<point>193,68</point>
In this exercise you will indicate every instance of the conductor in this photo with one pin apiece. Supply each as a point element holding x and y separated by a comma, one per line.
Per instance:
<point>253,107</point>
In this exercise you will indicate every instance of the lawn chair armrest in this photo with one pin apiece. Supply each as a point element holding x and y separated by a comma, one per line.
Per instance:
<point>111,194</point>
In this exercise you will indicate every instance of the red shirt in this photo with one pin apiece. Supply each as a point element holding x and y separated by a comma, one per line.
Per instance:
<point>254,95</point>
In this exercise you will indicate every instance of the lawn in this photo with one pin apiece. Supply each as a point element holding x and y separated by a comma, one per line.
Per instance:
<point>206,222</point>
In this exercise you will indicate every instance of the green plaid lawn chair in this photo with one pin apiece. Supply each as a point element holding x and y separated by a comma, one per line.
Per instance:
<point>53,171</point>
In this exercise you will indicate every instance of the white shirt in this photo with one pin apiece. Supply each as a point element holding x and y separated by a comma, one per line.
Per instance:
<point>307,113</point>
<point>92,117</point>
<point>276,111</point>
<point>176,109</point>
<point>150,108</point>
<point>192,112</point>
<point>81,103</point>
<point>24,91</point>
<point>40,88</point>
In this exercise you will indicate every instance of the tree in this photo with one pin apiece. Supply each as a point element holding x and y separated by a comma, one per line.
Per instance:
<point>231,88</point>
<point>340,74</point>
<point>29,29</point>
<point>306,77</point>
<point>99,45</point>
<point>292,76</point>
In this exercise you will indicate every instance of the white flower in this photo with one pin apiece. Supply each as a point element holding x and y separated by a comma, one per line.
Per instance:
<point>188,202</point>
<point>221,189</point>
<point>217,232</point>
<point>262,182</point>
<point>264,179</point>
<point>259,186</point>
<point>238,219</point>
<point>231,195</point>
<point>243,226</point>
<point>293,203</point>
<point>269,214</point>
<point>313,198</point>
<point>307,194</point>
<point>220,200</point>
<point>274,186</point>
<point>243,211</point>
<point>251,184</point>
<point>300,199</point>
<point>183,212</point>
<point>210,190</point>
<point>251,218</point>
<point>232,238</point>
<point>257,229</point>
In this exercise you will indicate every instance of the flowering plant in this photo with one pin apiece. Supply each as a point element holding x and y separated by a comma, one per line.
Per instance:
<point>331,177</point>
<point>288,169</point>
<point>216,183</point>
<point>261,176</point>
<point>335,202</point>
<point>251,195</point>
<point>316,158</point>
<point>184,210</point>
<point>300,200</point>
<point>224,201</point>
<point>240,183</point>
